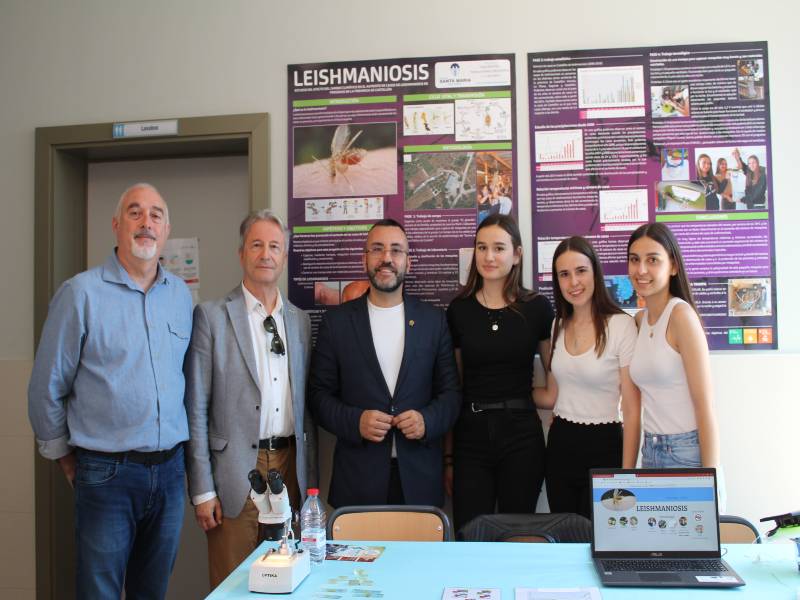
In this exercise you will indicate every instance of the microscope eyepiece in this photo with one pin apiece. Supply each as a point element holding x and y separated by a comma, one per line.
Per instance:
<point>257,482</point>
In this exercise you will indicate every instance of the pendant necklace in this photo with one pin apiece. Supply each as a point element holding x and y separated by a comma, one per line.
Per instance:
<point>494,315</point>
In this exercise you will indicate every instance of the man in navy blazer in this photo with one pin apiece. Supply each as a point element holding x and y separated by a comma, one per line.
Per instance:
<point>383,380</point>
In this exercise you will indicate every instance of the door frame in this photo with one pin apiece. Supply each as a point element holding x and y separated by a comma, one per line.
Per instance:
<point>62,157</point>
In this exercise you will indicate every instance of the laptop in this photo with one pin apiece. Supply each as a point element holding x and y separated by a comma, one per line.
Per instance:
<point>658,528</point>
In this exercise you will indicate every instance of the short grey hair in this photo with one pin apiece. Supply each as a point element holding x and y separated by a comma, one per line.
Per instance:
<point>264,214</point>
<point>137,186</point>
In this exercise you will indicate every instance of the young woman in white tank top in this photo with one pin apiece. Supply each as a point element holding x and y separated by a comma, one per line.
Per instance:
<point>670,363</point>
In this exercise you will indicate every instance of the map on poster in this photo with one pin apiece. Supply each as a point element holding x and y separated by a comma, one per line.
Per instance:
<point>429,142</point>
<point>678,135</point>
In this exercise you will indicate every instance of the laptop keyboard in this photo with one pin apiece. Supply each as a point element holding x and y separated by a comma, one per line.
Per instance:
<point>666,564</point>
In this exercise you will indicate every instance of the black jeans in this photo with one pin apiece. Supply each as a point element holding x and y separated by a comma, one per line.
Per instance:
<point>573,449</point>
<point>498,462</point>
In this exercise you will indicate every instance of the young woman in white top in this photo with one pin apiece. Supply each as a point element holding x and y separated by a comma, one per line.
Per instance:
<point>593,344</point>
<point>670,363</point>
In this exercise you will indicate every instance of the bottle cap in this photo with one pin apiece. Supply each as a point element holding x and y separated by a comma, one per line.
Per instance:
<point>313,491</point>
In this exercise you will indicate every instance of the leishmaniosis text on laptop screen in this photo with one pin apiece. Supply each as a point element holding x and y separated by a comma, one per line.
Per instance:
<point>650,512</point>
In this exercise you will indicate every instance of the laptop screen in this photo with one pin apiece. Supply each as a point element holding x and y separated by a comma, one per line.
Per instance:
<point>668,510</point>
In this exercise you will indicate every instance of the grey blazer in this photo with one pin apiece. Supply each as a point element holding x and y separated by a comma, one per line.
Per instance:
<point>222,396</point>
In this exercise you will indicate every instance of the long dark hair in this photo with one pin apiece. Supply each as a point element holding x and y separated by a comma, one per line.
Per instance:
<point>602,304</point>
<point>678,283</point>
<point>513,290</point>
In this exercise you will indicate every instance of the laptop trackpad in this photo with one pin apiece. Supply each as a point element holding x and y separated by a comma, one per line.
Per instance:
<point>661,576</point>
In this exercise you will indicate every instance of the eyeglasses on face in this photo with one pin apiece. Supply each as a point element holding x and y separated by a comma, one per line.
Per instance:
<point>379,251</point>
<point>276,345</point>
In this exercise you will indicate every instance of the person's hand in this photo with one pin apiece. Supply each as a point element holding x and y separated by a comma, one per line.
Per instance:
<point>411,424</point>
<point>374,425</point>
<point>736,153</point>
<point>208,514</point>
<point>68,464</point>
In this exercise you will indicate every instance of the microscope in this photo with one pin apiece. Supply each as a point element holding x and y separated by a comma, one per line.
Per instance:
<point>280,570</point>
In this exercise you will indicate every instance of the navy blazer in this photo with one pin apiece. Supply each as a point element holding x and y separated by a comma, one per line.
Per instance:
<point>346,379</point>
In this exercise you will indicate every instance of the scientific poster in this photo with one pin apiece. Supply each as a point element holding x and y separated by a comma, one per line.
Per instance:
<point>181,256</point>
<point>428,142</point>
<point>676,134</point>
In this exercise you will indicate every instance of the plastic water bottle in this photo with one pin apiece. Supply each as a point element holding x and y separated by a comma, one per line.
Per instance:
<point>312,526</point>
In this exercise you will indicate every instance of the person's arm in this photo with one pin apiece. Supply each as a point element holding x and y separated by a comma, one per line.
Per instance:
<point>324,399</point>
<point>441,412</point>
<point>54,369</point>
<point>448,438</point>
<point>738,158</point>
<point>625,331</point>
<point>545,397</point>
<point>688,338</point>
<point>310,437</point>
<point>198,369</point>
<point>631,419</point>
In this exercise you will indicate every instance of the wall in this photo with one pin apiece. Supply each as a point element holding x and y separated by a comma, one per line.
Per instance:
<point>67,62</point>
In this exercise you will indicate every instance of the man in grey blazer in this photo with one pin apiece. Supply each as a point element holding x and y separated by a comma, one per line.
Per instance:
<point>246,380</point>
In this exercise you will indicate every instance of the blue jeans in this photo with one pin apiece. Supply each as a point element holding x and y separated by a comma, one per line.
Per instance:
<point>675,450</point>
<point>128,519</point>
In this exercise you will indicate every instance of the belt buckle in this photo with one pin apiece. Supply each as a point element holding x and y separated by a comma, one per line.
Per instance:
<point>270,441</point>
<point>474,409</point>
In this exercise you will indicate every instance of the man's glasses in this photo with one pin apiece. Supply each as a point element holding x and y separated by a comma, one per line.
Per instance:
<point>276,345</point>
<point>380,252</point>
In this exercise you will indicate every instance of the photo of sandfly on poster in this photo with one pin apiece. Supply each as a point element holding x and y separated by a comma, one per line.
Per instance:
<point>357,159</point>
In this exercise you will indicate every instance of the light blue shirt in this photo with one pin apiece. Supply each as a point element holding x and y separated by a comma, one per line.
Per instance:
<point>108,373</point>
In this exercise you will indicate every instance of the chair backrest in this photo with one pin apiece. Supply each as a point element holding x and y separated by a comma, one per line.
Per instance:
<point>389,523</point>
<point>542,538</point>
<point>542,527</point>
<point>736,530</point>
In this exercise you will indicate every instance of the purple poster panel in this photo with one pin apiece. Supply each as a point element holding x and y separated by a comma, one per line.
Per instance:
<point>677,134</point>
<point>426,141</point>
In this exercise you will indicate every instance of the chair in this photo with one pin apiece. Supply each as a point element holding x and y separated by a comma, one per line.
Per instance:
<point>736,530</point>
<point>541,527</point>
<point>389,523</point>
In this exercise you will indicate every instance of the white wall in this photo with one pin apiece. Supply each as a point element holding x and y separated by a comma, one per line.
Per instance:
<point>70,61</point>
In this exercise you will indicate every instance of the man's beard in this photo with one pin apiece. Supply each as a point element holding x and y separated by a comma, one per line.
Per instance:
<point>143,252</point>
<point>386,287</point>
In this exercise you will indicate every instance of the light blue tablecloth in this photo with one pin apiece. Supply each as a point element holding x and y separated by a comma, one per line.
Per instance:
<point>421,570</point>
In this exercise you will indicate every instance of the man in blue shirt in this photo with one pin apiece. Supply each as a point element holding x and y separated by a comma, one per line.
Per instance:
<point>106,401</point>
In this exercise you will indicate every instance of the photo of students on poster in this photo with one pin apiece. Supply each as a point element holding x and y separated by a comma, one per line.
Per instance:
<point>429,142</point>
<point>676,134</point>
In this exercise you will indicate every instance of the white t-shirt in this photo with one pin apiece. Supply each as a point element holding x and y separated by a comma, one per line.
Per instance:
<point>388,336</point>
<point>588,385</point>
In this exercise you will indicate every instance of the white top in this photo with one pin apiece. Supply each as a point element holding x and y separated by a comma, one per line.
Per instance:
<point>277,419</point>
<point>658,371</point>
<point>388,337</point>
<point>588,385</point>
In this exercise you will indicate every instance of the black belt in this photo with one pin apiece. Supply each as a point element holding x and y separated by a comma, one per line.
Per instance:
<point>276,443</point>
<point>148,459</point>
<point>513,403</point>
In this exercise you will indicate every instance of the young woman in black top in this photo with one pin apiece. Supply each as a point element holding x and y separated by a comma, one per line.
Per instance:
<point>495,455</point>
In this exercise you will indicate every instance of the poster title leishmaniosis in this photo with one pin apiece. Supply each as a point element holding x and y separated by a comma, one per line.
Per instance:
<point>361,75</point>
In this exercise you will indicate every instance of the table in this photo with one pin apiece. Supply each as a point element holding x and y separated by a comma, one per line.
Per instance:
<point>421,570</point>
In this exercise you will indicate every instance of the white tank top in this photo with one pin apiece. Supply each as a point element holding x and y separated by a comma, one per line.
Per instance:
<point>657,369</point>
